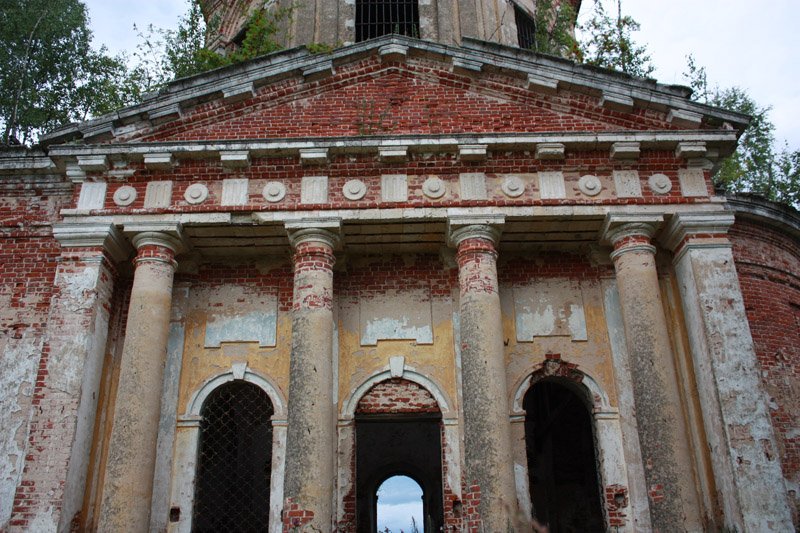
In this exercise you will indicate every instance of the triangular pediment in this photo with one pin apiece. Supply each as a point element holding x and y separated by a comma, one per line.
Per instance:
<point>400,86</point>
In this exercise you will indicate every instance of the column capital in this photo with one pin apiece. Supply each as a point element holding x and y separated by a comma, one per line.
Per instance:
<point>91,235</point>
<point>684,230</point>
<point>619,226</point>
<point>165,234</point>
<point>323,230</point>
<point>462,227</point>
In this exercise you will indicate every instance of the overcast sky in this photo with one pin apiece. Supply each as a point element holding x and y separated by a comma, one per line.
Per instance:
<point>751,44</point>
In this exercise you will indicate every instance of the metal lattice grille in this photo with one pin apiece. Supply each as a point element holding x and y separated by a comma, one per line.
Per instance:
<point>234,463</point>
<point>381,17</point>
<point>526,28</point>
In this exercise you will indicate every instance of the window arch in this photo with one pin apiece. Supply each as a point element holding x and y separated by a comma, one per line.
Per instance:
<point>375,18</point>
<point>232,487</point>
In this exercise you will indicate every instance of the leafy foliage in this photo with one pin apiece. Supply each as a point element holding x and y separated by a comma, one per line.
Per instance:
<point>164,55</point>
<point>49,74</point>
<point>609,43</point>
<point>756,166</point>
<point>553,29</point>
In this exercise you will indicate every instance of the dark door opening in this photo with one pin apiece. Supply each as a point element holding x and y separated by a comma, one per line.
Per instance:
<point>561,459</point>
<point>408,445</point>
<point>232,486</point>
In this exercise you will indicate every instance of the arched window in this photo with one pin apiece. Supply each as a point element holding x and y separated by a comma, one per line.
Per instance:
<point>382,17</point>
<point>562,466</point>
<point>232,487</point>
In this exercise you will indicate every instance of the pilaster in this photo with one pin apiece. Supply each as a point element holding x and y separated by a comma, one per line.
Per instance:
<point>744,457</point>
<point>68,380</point>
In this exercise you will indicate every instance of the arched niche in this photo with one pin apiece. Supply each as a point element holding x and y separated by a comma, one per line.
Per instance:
<point>611,466</point>
<point>187,440</point>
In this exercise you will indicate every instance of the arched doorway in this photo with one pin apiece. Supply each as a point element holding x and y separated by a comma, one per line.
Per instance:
<point>232,486</point>
<point>398,432</point>
<point>562,465</point>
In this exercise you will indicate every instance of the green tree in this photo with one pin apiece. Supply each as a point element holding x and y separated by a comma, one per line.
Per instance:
<point>756,166</point>
<point>164,55</point>
<point>554,34</point>
<point>608,42</point>
<point>49,74</point>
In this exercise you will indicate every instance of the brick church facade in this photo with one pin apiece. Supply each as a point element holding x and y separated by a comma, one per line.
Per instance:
<point>246,302</point>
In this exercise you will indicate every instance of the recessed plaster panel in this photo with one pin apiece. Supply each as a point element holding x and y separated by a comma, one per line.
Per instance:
<point>549,309</point>
<point>239,315</point>
<point>396,316</point>
<point>220,299</point>
<point>592,356</point>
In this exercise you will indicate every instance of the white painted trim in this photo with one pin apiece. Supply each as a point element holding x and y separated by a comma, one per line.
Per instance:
<point>445,406</point>
<point>264,383</point>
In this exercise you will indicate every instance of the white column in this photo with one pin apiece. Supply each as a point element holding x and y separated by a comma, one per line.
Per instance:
<point>131,459</point>
<point>311,433</point>
<point>489,473</point>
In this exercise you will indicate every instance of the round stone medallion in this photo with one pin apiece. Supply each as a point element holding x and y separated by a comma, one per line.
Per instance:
<point>659,183</point>
<point>590,185</point>
<point>274,191</point>
<point>433,187</point>
<point>196,193</point>
<point>513,186</point>
<point>124,196</point>
<point>354,190</point>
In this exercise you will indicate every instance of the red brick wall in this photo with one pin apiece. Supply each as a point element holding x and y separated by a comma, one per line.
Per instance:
<point>28,256</point>
<point>768,263</point>
<point>419,96</point>
<point>395,396</point>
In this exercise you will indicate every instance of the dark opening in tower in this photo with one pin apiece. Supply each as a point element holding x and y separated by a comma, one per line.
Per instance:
<point>381,17</point>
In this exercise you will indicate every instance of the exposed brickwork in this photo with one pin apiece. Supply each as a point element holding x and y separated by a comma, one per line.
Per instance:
<point>476,260</point>
<point>276,279</point>
<point>415,97</point>
<point>395,396</point>
<point>28,259</point>
<point>312,257</point>
<point>768,264</point>
<point>518,270</point>
<point>378,275</point>
<point>81,289</point>
<point>470,508</point>
<point>616,500</point>
<point>294,518</point>
<point>154,252</point>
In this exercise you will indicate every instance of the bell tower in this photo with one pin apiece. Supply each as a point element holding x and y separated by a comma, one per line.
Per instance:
<point>341,22</point>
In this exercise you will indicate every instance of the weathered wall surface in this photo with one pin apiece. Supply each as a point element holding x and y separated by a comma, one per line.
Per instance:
<point>28,255</point>
<point>395,306</point>
<point>237,314</point>
<point>768,264</point>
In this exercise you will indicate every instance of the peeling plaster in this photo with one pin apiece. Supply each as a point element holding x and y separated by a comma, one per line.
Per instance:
<point>17,374</point>
<point>547,309</point>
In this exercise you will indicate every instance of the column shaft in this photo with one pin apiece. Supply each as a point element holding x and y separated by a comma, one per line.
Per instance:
<point>309,481</point>
<point>132,449</point>
<point>652,370</point>
<point>487,431</point>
